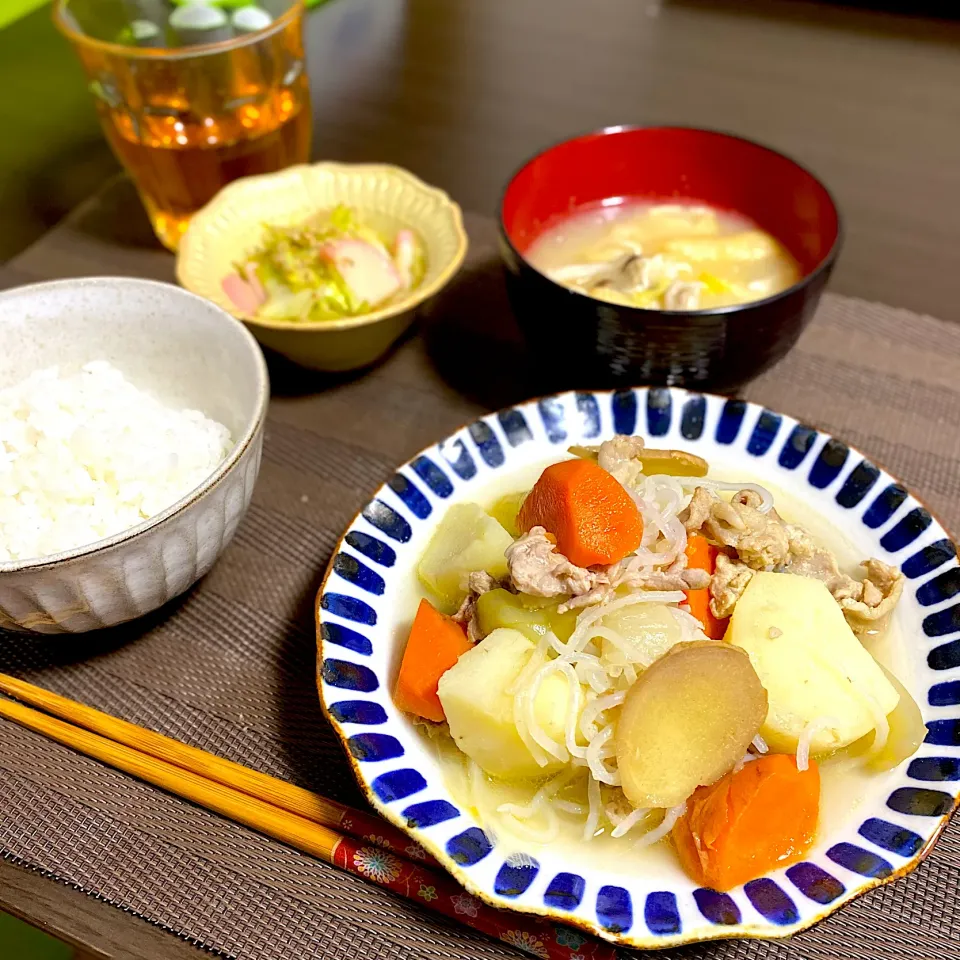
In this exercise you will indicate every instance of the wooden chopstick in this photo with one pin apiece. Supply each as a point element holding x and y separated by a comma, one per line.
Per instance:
<point>279,793</point>
<point>417,882</point>
<point>298,831</point>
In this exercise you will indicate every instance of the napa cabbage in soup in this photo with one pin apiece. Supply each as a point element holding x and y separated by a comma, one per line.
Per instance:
<point>676,256</point>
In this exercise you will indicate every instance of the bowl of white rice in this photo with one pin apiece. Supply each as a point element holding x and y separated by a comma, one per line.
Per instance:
<point>131,424</point>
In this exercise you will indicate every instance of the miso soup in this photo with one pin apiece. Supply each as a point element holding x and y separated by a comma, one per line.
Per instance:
<point>676,256</point>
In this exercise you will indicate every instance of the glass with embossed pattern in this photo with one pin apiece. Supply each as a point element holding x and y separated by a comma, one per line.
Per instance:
<point>193,94</point>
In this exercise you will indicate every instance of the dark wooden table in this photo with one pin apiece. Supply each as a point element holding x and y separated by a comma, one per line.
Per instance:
<point>461,92</point>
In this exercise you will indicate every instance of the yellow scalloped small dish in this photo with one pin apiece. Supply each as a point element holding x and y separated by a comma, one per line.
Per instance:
<point>387,198</point>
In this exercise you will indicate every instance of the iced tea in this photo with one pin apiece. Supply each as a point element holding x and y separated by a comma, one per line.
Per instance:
<point>186,120</point>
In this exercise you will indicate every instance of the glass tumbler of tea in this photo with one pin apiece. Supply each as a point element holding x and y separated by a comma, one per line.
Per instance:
<point>194,93</point>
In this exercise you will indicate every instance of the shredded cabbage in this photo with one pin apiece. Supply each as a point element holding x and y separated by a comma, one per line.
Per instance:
<point>303,285</point>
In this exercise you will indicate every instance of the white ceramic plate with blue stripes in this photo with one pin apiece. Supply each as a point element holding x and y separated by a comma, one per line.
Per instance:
<point>369,595</point>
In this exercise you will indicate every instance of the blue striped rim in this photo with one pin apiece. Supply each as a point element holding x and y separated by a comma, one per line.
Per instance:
<point>929,558</point>
<point>372,548</point>
<point>796,448</point>
<point>858,484</point>
<point>731,419</point>
<point>942,622</point>
<point>884,506</point>
<point>693,417</point>
<point>589,411</point>
<point>373,747</point>
<point>659,411</point>
<point>512,881</point>
<point>345,637</point>
<point>624,409</point>
<point>945,694</point>
<point>939,588</point>
<point>432,476</point>
<point>398,785</point>
<point>944,657</point>
<point>349,608</point>
<point>565,891</point>
<point>906,530</point>
<point>359,711</point>
<point>614,909</point>
<point>349,676</point>
<point>826,468</point>
<point>771,902</point>
<point>764,433</point>
<point>430,812</point>
<point>718,908</point>
<point>553,416</point>
<point>357,573</point>
<point>456,454</point>
<point>410,494</point>
<point>920,802</point>
<point>815,883</point>
<point>858,860</point>
<point>469,847</point>
<point>943,733</point>
<point>487,443</point>
<point>515,427</point>
<point>387,521</point>
<point>660,913</point>
<point>898,840</point>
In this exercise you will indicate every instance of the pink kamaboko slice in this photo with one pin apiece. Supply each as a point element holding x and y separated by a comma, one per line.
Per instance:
<point>405,256</point>
<point>367,271</point>
<point>246,295</point>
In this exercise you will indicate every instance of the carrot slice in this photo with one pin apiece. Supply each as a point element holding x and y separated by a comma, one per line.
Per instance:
<point>702,555</point>
<point>587,510</point>
<point>435,644</point>
<point>760,818</point>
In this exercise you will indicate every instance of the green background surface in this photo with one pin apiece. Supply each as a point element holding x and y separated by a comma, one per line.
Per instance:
<point>11,10</point>
<point>19,941</point>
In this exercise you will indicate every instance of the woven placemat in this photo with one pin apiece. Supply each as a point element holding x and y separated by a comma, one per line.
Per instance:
<point>230,667</point>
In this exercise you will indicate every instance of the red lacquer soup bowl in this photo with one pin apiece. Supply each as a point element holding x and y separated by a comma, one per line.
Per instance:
<point>593,343</point>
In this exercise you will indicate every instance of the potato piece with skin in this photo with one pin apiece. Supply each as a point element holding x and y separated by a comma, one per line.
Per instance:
<point>467,539</point>
<point>478,702</point>
<point>686,722</point>
<point>810,662</point>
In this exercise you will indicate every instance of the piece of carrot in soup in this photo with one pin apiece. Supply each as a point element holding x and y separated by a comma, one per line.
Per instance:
<point>702,555</point>
<point>762,817</point>
<point>587,510</point>
<point>435,644</point>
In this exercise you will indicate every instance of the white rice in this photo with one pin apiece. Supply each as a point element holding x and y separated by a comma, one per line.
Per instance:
<point>88,455</point>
